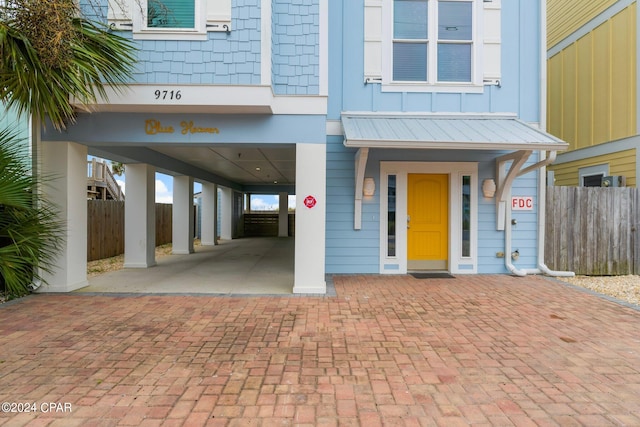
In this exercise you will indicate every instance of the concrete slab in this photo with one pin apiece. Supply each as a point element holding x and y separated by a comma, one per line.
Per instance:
<point>243,266</point>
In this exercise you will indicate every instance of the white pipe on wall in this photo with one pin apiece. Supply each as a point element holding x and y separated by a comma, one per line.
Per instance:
<point>507,245</point>
<point>542,206</point>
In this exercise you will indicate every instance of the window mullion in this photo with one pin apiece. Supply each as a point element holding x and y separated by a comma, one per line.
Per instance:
<point>432,47</point>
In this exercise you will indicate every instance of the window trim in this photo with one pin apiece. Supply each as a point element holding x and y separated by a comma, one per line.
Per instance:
<point>587,171</point>
<point>431,85</point>
<point>130,15</point>
<point>142,32</point>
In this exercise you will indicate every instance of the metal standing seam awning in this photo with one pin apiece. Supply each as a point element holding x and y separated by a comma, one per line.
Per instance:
<point>497,132</point>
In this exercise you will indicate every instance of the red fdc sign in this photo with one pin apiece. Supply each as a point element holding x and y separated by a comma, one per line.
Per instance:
<point>519,203</point>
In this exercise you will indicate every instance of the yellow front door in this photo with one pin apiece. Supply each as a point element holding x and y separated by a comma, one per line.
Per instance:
<point>428,221</point>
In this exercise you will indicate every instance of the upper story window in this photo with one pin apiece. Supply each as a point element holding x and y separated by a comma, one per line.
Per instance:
<point>170,19</point>
<point>179,14</point>
<point>433,41</point>
<point>432,45</point>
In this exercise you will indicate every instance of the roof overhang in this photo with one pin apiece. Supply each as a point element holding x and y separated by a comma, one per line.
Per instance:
<point>496,132</point>
<point>450,132</point>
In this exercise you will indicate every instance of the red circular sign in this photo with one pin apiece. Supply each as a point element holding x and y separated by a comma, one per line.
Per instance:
<point>309,201</point>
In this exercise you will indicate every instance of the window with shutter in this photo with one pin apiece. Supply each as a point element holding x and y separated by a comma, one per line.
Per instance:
<point>432,45</point>
<point>170,19</point>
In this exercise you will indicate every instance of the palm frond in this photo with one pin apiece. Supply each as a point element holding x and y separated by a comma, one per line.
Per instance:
<point>99,58</point>
<point>31,232</point>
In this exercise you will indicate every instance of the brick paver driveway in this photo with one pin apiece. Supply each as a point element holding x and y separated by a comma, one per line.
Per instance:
<point>393,351</point>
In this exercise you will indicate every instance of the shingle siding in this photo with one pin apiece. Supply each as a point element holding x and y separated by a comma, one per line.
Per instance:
<point>295,51</point>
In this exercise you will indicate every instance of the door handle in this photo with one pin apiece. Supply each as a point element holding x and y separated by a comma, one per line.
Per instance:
<point>408,221</point>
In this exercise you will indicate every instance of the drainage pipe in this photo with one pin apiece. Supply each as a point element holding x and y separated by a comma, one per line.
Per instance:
<point>34,285</point>
<point>541,268</point>
<point>507,244</point>
<point>542,181</point>
<point>542,206</point>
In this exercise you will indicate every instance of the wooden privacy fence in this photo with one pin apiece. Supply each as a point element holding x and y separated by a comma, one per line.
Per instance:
<point>266,224</point>
<point>105,227</point>
<point>593,230</point>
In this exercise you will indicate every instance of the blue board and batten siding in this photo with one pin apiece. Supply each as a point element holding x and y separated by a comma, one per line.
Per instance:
<point>358,251</point>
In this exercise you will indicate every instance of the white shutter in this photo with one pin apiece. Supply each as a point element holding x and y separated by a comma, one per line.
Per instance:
<point>219,15</point>
<point>119,14</point>
<point>373,40</point>
<point>491,39</point>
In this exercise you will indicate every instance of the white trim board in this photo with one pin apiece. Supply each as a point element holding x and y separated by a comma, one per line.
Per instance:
<point>457,264</point>
<point>214,99</point>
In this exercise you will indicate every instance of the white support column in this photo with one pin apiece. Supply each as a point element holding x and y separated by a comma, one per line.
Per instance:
<point>66,163</point>
<point>209,214</point>
<point>226,213</point>
<point>310,219</point>
<point>140,216</point>
<point>283,215</point>
<point>183,211</point>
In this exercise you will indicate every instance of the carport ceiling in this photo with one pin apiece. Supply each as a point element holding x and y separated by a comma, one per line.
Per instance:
<point>263,165</point>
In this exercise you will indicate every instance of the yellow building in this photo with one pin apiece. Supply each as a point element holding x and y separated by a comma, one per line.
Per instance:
<point>592,80</point>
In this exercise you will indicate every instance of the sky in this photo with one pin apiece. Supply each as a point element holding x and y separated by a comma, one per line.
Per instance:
<point>164,192</point>
<point>164,187</point>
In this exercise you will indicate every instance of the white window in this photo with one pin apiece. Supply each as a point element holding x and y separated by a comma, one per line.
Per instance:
<point>432,45</point>
<point>170,19</point>
<point>433,41</point>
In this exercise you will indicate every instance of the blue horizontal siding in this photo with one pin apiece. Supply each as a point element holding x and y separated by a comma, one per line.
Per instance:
<point>344,227</point>
<point>520,68</point>
<point>350,244</point>
<point>348,250</point>
<point>362,254</point>
<point>343,252</point>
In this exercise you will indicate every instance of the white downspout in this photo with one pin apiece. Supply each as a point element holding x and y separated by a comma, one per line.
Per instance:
<point>542,177</point>
<point>542,206</point>
<point>507,245</point>
<point>36,149</point>
<point>542,268</point>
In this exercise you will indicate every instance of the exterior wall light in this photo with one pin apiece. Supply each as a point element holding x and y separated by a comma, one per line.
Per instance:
<point>369,188</point>
<point>488,188</point>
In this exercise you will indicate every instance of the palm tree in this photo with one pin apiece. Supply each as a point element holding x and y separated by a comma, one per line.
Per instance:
<point>50,59</point>
<point>29,231</point>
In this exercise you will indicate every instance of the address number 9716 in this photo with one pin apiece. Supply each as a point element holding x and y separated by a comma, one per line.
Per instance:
<point>167,94</point>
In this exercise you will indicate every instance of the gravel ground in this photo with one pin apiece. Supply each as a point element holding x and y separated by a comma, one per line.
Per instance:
<point>625,288</point>
<point>97,267</point>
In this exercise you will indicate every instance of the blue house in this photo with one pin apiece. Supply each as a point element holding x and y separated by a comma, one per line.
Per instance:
<point>410,131</point>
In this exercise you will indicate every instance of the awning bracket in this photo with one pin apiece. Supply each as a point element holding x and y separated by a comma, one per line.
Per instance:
<point>361,165</point>
<point>505,181</point>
